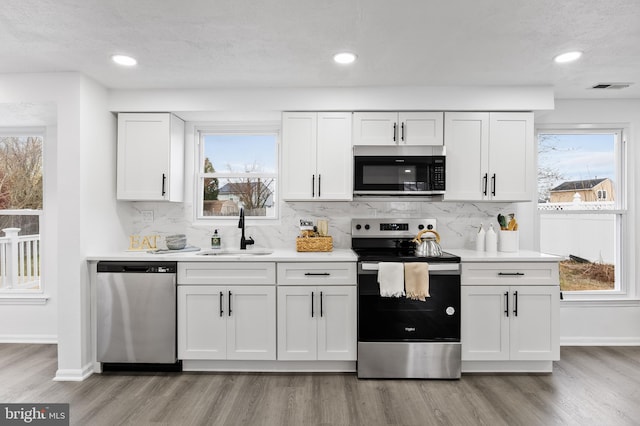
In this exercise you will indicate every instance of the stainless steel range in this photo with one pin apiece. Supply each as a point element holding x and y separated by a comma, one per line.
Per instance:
<point>399,337</point>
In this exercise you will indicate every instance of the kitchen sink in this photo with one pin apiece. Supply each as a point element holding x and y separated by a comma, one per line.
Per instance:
<point>234,253</point>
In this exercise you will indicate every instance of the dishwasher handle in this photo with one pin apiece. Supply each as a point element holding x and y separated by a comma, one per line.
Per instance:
<point>138,267</point>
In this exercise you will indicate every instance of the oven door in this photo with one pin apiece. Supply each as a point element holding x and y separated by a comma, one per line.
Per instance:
<point>389,319</point>
<point>406,175</point>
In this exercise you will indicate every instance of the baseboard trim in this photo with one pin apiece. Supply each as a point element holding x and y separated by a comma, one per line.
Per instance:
<point>73,375</point>
<point>29,338</point>
<point>600,341</point>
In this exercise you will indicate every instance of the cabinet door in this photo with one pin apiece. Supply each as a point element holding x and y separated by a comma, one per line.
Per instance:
<point>466,141</point>
<point>484,323</point>
<point>334,157</point>
<point>251,324</point>
<point>297,323</point>
<point>421,128</point>
<point>375,128</point>
<point>150,157</point>
<point>511,173</point>
<point>202,322</point>
<point>337,338</point>
<point>299,137</point>
<point>534,331</point>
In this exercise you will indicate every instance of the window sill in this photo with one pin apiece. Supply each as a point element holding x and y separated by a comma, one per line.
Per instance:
<point>600,302</point>
<point>23,299</point>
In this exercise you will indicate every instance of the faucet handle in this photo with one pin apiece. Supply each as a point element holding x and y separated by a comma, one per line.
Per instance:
<point>250,241</point>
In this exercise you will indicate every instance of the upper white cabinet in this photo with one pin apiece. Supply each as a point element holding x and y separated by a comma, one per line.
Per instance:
<point>489,156</point>
<point>150,157</point>
<point>398,128</point>
<point>317,158</point>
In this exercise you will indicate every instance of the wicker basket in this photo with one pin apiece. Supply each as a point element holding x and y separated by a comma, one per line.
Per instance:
<point>314,244</point>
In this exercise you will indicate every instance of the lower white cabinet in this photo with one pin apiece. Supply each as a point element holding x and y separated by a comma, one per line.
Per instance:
<point>226,322</point>
<point>517,323</point>
<point>317,323</point>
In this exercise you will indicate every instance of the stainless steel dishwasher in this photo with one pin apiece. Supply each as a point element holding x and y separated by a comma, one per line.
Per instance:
<point>136,316</point>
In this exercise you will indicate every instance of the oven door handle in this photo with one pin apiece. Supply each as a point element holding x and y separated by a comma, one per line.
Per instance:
<point>438,267</point>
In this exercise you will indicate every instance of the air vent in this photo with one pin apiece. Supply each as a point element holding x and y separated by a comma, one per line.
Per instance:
<point>611,85</point>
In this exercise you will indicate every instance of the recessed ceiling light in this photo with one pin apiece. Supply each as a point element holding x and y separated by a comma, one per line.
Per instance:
<point>124,60</point>
<point>344,57</point>
<point>567,57</point>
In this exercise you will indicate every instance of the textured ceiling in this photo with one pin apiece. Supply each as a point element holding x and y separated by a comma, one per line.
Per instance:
<point>289,43</point>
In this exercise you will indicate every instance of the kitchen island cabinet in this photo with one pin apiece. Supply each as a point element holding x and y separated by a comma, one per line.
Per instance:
<point>510,314</point>
<point>317,311</point>
<point>489,156</point>
<point>398,128</point>
<point>150,159</point>
<point>234,322</point>
<point>316,156</point>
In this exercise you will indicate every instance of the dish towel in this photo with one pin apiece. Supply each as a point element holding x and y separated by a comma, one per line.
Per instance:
<point>391,279</point>
<point>416,280</point>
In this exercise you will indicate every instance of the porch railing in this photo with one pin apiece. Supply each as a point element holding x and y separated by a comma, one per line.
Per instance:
<point>19,260</point>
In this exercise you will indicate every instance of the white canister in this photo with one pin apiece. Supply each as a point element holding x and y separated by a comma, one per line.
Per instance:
<point>480,239</point>
<point>491,240</point>
<point>509,241</point>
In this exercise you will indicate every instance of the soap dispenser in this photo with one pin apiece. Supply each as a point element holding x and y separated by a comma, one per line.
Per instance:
<point>215,240</point>
<point>491,240</point>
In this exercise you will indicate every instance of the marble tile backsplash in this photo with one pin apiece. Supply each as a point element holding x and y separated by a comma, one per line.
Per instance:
<point>457,223</point>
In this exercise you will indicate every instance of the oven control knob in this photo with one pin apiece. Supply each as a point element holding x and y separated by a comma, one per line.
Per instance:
<point>421,227</point>
<point>450,310</point>
<point>429,226</point>
<point>358,226</point>
<point>367,227</point>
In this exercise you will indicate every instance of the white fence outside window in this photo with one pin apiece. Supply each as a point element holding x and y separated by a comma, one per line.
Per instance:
<point>19,260</point>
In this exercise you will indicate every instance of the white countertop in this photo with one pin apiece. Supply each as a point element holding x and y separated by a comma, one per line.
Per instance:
<point>290,255</point>
<point>518,256</point>
<point>278,255</point>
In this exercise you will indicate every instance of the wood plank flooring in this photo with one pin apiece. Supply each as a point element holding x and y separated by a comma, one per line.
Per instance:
<point>589,386</point>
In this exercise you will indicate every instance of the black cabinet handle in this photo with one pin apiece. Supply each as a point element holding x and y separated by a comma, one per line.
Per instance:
<point>164,181</point>
<point>313,185</point>
<point>506,300</point>
<point>221,310</point>
<point>319,184</point>
<point>312,313</point>
<point>493,184</point>
<point>320,303</point>
<point>395,130</point>
<point>316,274</point>
<point>511,274</point>
<point>229,303</point>
<point>515,303</point>
<point>484,183</point>
<point>402,130</point>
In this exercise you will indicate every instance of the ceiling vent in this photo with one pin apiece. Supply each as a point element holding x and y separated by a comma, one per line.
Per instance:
<point>611,85</point>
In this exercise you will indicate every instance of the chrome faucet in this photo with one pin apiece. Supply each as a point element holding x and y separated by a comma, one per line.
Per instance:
<point>243,241</point>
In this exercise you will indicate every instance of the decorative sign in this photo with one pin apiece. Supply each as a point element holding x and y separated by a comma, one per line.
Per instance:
<point>140,243</point>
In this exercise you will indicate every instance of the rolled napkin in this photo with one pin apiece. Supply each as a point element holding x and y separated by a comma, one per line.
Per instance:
<point>391,279</point>
<point>416,280</point>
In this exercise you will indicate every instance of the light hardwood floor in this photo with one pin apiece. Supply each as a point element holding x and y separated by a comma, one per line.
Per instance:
<point>589,386</point>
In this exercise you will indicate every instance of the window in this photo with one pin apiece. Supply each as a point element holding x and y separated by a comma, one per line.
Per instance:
<point>237,169</point>
<point>20,211</point>
<point>581,205</point>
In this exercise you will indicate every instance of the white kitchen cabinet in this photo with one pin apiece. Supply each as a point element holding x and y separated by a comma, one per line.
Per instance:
<point>234,322</point>
<point>150,158</point>
<point>489,156</point>
<point>317,160</point>
<point>398,128</point>
<point>513,319</point>
<point>317,323</point>
<point>226,310</point>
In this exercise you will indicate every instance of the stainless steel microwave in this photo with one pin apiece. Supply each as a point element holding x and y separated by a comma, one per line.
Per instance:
<point>399,175</point>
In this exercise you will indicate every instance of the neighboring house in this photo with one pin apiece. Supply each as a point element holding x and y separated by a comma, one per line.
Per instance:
<point>589,190</point>
<point>235,191</point>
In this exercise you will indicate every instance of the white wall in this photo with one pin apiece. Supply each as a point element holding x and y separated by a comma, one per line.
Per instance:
<point>76,218</point>
<point>616,322</point>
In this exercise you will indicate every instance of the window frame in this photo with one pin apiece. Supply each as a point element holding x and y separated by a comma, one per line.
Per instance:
<point>625,269</point>
<point>21,296</point>
<point>236,128</point>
